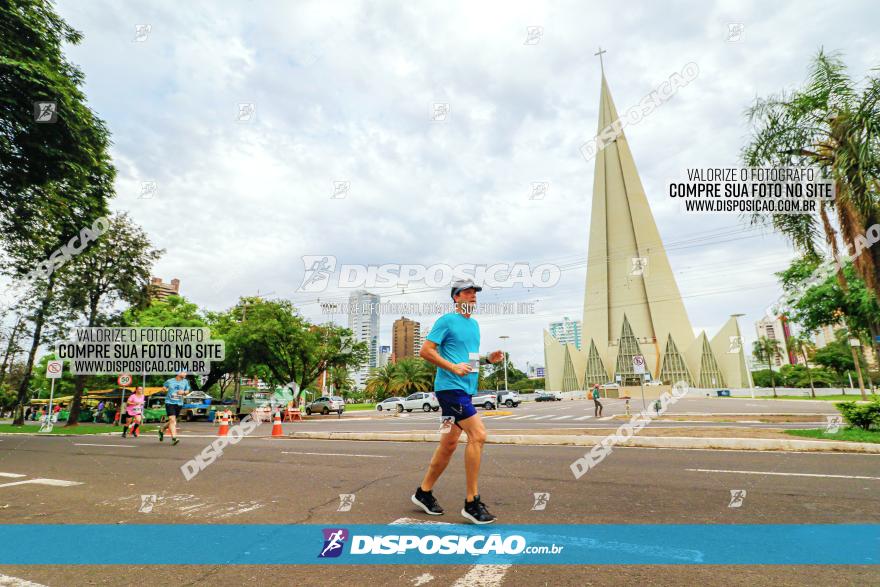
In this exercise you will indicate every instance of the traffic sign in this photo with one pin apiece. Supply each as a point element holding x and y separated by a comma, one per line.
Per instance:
<point>124,379</point>
<point>54,369</point>
<point>638,364</point>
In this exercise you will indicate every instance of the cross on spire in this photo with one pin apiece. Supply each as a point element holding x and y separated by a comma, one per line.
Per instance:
<point>601,63</point>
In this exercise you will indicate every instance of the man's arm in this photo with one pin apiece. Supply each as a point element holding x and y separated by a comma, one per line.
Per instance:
<point>430,354</point>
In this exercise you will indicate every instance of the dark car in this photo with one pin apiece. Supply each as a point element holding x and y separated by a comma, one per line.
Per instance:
<point>547,396</point>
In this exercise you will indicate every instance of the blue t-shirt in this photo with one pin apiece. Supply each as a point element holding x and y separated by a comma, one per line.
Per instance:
<point>173,386</point>
<point>456,338</point>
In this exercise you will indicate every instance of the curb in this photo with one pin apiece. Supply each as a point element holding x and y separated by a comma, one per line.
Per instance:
<point>759,444</point>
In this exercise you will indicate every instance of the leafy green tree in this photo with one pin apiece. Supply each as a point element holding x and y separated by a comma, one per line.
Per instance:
<point>380,382</point>
<point>340,379</point>
<point>116,268</point>
<point>411,375</point>
<point>832,125</point>
<point>291,348</point>
<point>52,171</point>
<point>767,349</point>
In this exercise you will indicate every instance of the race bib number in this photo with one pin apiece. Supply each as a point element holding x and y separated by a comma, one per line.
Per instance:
<point>474,360</point>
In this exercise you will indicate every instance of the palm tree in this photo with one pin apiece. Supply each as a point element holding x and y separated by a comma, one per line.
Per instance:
<point>831,125</point>
<point>381,381</point>
<point>340,379</point>
<point>801,344</point>
<point>767,349</point>
<point>411,375</point>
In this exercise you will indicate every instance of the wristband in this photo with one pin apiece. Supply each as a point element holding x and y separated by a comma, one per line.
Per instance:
<point>484,359</point>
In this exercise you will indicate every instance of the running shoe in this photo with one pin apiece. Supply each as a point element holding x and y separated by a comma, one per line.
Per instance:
<point>174,441</point>
<point>476,512</point>
<point>427,501</point>
<point>124,430</point>
<point>161,435</point>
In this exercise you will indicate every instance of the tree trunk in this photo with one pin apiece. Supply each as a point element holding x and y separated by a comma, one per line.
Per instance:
<point>39,319</point>
<point>10,349</point>
<point>76,402</point>
<point>772,379</point>
<point>810,375</point>
<point>859,372</point>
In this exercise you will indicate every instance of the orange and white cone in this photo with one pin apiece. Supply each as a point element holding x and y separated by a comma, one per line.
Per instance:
<point>276,425</point>
<point>224,425</point>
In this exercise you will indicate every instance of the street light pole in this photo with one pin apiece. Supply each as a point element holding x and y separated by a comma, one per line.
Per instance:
<point>504,337</point>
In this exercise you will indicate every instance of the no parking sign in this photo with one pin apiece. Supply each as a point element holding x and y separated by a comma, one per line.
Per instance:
<point>638,364</point>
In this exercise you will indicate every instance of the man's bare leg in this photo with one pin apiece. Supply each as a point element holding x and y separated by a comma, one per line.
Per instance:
<point>473,453</point>
<point>442,455</point>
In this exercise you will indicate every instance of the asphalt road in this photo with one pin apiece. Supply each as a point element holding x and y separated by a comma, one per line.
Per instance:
<point>297,481</point>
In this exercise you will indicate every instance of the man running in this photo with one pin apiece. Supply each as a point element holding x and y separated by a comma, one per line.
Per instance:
<point>134,409</point>
<point>453,345</point>
<point>176,388</point>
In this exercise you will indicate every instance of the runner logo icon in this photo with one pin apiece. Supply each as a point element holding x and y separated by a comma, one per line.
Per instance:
<point>334,540</point>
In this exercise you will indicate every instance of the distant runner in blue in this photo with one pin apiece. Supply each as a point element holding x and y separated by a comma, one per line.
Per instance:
<point>176,388</point>
<point>454,346</point>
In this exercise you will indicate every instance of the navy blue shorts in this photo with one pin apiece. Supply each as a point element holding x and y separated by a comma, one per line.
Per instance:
<point>455,403</point>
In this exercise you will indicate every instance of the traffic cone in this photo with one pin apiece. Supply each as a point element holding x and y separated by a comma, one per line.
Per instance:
<point>276,425</point>
<point>224,425</point>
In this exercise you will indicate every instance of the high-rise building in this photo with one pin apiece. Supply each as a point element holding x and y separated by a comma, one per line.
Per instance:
<point>159,290</point>
<point>632,305</point>
<point>776,329</point>
<point>363,321</point>
<point>406,339</point>
<point>567,331</point>
<point>384,356</point>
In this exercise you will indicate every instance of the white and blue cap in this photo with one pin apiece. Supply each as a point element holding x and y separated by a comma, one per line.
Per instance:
<point>459,285</point>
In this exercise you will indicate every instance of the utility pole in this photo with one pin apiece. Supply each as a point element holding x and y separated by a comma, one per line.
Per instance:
<point>504,337</point>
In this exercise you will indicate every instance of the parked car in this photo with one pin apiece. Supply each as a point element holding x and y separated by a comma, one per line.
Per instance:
<point>486,399</point>
<point>425,401</point>
<point>510,399</point>
<point>196,404</point>
<point>547,396</point>
<point>390,404</point>
<point>325,405</point>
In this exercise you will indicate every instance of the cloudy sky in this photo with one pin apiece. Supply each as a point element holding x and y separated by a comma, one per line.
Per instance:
<point>345,92</point>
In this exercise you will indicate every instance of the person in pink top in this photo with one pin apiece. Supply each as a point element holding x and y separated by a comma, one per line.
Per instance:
<point>134,407</point>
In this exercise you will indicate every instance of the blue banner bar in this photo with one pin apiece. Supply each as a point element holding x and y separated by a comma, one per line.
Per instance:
<point>371,544</point>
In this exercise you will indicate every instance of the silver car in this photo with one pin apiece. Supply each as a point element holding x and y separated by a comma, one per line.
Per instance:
<point>325,405</point>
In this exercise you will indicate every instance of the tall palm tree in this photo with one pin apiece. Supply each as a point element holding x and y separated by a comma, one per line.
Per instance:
<point>381,381</point>
<point>411,375</point>
<point>802,345</point>
<point>340,379</point>
<point>833,126</point>
<point>767,349</point>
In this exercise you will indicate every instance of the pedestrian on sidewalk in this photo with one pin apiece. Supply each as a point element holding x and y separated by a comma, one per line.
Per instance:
<point>597,407</point>
<point>454,346</point>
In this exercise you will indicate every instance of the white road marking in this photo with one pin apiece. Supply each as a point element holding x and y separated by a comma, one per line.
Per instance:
<point>584,418</point>
<point>503,417</point>
<point>110,445</point>
<point>524,417</point>
<point>477,575</point>
<point>52,482</point>
<point>13,475</point>
<point>606,417</point>
<point>544,417</point>
<point>563,417</point>
<point>7,581</point>
<point>784,474</point>
<point>483,576</point>
<point>333,454</point>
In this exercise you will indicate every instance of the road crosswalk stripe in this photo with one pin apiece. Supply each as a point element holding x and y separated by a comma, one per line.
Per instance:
<point>563,417</point>
<point>584,418</point>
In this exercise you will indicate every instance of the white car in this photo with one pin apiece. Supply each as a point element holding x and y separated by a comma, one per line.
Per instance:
<point>423,400</point>
<point>391,404</point>
<point>487,399</point>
